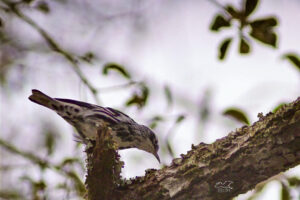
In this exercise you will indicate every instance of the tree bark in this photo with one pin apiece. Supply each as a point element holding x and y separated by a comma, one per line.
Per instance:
<point>103,167</point>
<point>230,166</point>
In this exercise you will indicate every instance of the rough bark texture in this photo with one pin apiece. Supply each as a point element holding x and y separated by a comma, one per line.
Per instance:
<point>228,167</point>
<point>103,167</point>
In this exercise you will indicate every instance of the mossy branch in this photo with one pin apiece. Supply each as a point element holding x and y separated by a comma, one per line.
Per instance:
<point>230,166</point>
<point>103,168</point>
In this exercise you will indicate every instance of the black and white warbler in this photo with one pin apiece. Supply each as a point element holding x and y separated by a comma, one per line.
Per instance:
<point>88,118</point>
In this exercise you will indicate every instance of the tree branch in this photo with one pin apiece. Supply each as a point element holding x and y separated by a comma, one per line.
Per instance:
<point>45,164</point>
<point>30,156</point>
<point>54,46</point>
<point>103,167</point>
<point>230,166</point>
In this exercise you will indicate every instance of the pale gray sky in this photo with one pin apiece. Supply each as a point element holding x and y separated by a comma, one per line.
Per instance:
<point>175,47</point>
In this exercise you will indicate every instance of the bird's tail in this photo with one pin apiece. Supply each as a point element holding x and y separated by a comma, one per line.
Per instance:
<point>44,100</point>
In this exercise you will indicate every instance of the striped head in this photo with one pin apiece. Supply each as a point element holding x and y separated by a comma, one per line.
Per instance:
<point>133,135</point>
<point>151,143</point>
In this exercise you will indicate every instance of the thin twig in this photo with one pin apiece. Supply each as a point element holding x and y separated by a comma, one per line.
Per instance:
<point>33,158</point>
<point>52,44</point>
<point>219,5</point>
<point>116,87</point>
<point>43,163</point>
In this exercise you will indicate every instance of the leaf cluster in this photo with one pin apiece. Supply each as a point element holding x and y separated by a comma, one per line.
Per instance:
<point>261,29</point>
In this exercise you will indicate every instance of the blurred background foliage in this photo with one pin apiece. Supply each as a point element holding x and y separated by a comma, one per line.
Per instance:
<point>35,162</point>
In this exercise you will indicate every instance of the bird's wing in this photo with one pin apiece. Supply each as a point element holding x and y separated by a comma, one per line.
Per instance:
<point>107,112</point>
<point>78,103</point>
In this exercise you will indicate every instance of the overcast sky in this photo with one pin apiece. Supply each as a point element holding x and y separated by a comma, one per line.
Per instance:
<point>168,43</point>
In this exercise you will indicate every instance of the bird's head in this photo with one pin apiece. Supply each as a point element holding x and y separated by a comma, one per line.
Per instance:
<point>150,143</point>
<point>133,135</point>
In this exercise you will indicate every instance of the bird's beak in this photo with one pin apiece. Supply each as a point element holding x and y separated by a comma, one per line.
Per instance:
<point>157,156</point>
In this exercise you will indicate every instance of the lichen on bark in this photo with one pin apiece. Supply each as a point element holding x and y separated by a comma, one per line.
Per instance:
<point>103,167</point>
<point>230,166</point>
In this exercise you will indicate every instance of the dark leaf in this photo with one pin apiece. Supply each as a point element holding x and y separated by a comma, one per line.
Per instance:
<point>40,185</point>
<point>250,6</point>
<point>179,119</point>
<point>233,12</point>
<point>169,95</point>
<point>1,23</point>
<point>264,23</point>
<point>154,121</point>
<point>135,99</point>
<point>278,107</point>
<point>10,194</point>
<point>28,1</point>
<point>219,22</point>
<point>170,149</point>
<point>88,57</point>
<point>62,186</point>
<point>157,118</point>
<point>224,47</point>
<point>116,67</point>
<point>43,6</point>
<point>145,91</point>
<point>50,141</point>
<point>244,46</point>
<point>237,114</point>
<point>78,184</point>
<point>26,178</point>
<point>293,58</point>
<point>294,181</point>
<point>36,186</point>
<point>68,161</point>
<point>153,125</point>
<point>265,36</point>
<point>139,98</point>
<point>262,30</point>
<point>285,192</point>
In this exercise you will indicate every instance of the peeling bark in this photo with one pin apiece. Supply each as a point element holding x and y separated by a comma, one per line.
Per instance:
<point>230,166</point>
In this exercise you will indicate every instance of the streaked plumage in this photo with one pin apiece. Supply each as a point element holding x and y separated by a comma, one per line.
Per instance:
<point>88,118</point>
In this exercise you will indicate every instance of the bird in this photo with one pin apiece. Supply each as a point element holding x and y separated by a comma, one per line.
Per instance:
<point>89,118</point>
